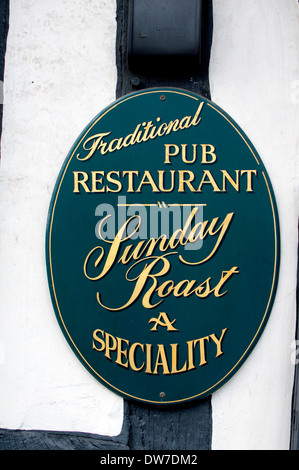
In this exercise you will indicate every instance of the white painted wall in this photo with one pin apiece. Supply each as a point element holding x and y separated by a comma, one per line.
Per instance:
<point>254,69</point>
<point>60,72</point>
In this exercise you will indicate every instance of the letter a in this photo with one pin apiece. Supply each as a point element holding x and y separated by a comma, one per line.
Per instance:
<point>166,322</point>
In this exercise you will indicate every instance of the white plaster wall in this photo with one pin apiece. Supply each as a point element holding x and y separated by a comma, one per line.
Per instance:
<point>254,76</point>
<point>60,72</point>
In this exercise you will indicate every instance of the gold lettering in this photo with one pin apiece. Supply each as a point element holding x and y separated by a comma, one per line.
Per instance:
<point>141,279</point>
<point>180,357</point>
<point>234,183</point>
<point>185,122</point>
<point>249,174</point>
<point>202,347</point>
<point>206,152</point>
<point>196,120</point>
<point>82,182</point>
<point>224,278</point>
<point>149,132</point>
<point>169,154</point>
<point>97,141</point>
<point>174,360</point>
<point>161,361</point>
<point>209,181</point>
<point>173,126</point>
<point>121,353</point>
<point>132,357</point>
<point>95,181</point>
<point>130,179</point>
<point>161,181</point>
<point>222,230</point>
<point>190,355</point>
<point>114,181</point>
<point>115,144</point>
<point>131,138</point>
<point>183,181</point>
<point>218,342</point>
<point>162,129</point>
<point>184,153</point>
<point>167,323</point>
<point>111,344</point>
<point>147,179</point>
<point>148,369</point>
<point>114,249</point>
<point>98,340</point>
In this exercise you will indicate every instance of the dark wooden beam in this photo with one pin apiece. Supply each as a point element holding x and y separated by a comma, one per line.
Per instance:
<point>188,426</point>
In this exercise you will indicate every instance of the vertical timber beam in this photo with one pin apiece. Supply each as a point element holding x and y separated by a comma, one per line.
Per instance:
<point>189,426</point>
<point>196,81</point>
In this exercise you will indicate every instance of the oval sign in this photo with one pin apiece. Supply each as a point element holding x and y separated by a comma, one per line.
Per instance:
<point>162,246</point>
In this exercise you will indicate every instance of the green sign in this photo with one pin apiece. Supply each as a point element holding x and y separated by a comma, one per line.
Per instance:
<point>162,247</point>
